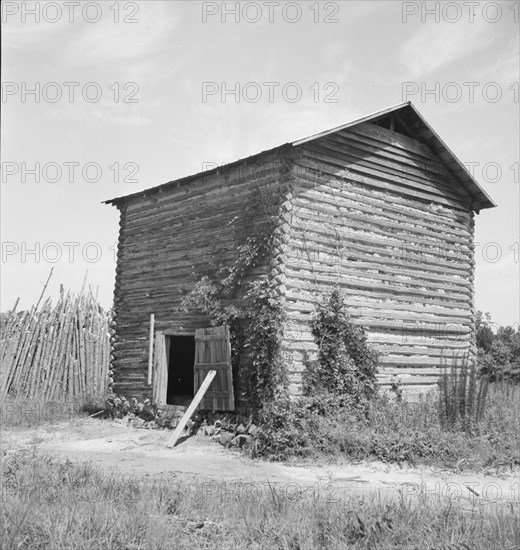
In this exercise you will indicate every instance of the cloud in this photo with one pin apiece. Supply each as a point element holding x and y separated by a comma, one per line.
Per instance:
<point>440,44</point>
<point>132,50</point>
<point>104,111</point>
<point>506,68</point>
<point>29,35</point>
<point>129,51</point>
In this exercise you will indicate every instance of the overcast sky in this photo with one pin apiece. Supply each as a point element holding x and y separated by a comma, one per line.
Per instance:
<point>131,95</point>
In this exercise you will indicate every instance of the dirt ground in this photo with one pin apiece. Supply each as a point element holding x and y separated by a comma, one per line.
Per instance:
<point>141,452</point>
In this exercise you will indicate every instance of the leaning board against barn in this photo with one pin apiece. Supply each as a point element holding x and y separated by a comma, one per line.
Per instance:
<point>379,207</point>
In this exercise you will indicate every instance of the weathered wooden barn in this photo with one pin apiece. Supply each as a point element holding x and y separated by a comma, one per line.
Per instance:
<point>379,206</point>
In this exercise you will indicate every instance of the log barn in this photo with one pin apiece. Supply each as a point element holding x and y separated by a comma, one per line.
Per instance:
<point>379,207</point>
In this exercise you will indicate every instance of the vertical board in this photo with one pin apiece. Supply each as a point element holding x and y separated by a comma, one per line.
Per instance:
<point>150,349</point>
<point>160,370</point>
<point>213,352</point>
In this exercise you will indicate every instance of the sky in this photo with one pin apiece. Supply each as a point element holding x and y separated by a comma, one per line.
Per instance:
<point>102,99</point>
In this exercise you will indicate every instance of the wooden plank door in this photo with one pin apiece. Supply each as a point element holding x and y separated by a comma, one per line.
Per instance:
<point>160,370</point>
<point>213,352</point>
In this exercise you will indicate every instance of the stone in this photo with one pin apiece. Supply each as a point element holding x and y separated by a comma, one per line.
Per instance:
<point>138,422</point>
<point>162,422</point>
<point>209,430</point>
<point>241,429</point>
<point>226,438</point>
<point>241,440</point>
<point>253,430</point>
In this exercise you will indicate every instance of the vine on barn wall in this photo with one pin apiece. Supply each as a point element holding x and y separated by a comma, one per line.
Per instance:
<point>254,315</point>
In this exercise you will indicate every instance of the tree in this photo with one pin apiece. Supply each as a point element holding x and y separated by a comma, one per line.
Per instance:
<point>484,333</point>
<point>498,355</point>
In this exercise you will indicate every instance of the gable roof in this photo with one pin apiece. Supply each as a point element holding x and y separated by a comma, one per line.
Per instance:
<point>405,115</point>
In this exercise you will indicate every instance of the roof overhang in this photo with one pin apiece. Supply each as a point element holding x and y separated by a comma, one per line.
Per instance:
<point>408,116</point>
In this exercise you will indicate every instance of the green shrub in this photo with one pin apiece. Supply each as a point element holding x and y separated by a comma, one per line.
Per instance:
<point>283,431</point>
<point>346,365</point>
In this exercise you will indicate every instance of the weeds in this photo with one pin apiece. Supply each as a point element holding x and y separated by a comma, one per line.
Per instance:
<point>394,431</point>
<point>462,396</point>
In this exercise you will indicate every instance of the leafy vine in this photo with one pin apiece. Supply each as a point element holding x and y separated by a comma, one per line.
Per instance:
<point>254,316</point>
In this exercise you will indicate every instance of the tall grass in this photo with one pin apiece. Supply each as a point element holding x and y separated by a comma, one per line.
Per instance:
<point>49,504</point>
<point>462,395</point>
<point>22,412</point>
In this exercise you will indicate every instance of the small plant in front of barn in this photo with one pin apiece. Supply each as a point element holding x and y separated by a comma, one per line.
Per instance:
<point>345,367</point>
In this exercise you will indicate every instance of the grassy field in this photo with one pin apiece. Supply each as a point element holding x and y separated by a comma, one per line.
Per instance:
<point>52,504</point>
<point>47,503</point>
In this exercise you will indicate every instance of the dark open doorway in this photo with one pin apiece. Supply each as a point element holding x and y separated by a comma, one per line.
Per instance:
<point>180,370</point>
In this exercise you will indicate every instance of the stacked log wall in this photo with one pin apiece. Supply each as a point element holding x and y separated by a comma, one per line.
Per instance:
<point>169,234</point>
<point>378,214</point>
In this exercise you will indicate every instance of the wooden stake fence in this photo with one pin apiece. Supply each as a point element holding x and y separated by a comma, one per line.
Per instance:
<point>56,352</point>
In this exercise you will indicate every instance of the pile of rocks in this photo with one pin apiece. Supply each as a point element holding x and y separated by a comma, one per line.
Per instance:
<point>136,421</point>
<point>229,430</point>
<point>123,409</point>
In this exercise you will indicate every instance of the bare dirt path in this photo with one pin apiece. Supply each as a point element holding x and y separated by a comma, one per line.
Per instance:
<point>141,452</point>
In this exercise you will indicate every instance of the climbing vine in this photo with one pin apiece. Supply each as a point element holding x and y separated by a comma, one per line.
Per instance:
<point>254,316</point>
<point>265,368</point>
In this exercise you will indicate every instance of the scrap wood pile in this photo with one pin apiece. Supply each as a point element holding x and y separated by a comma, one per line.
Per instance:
<point>56,352</point>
